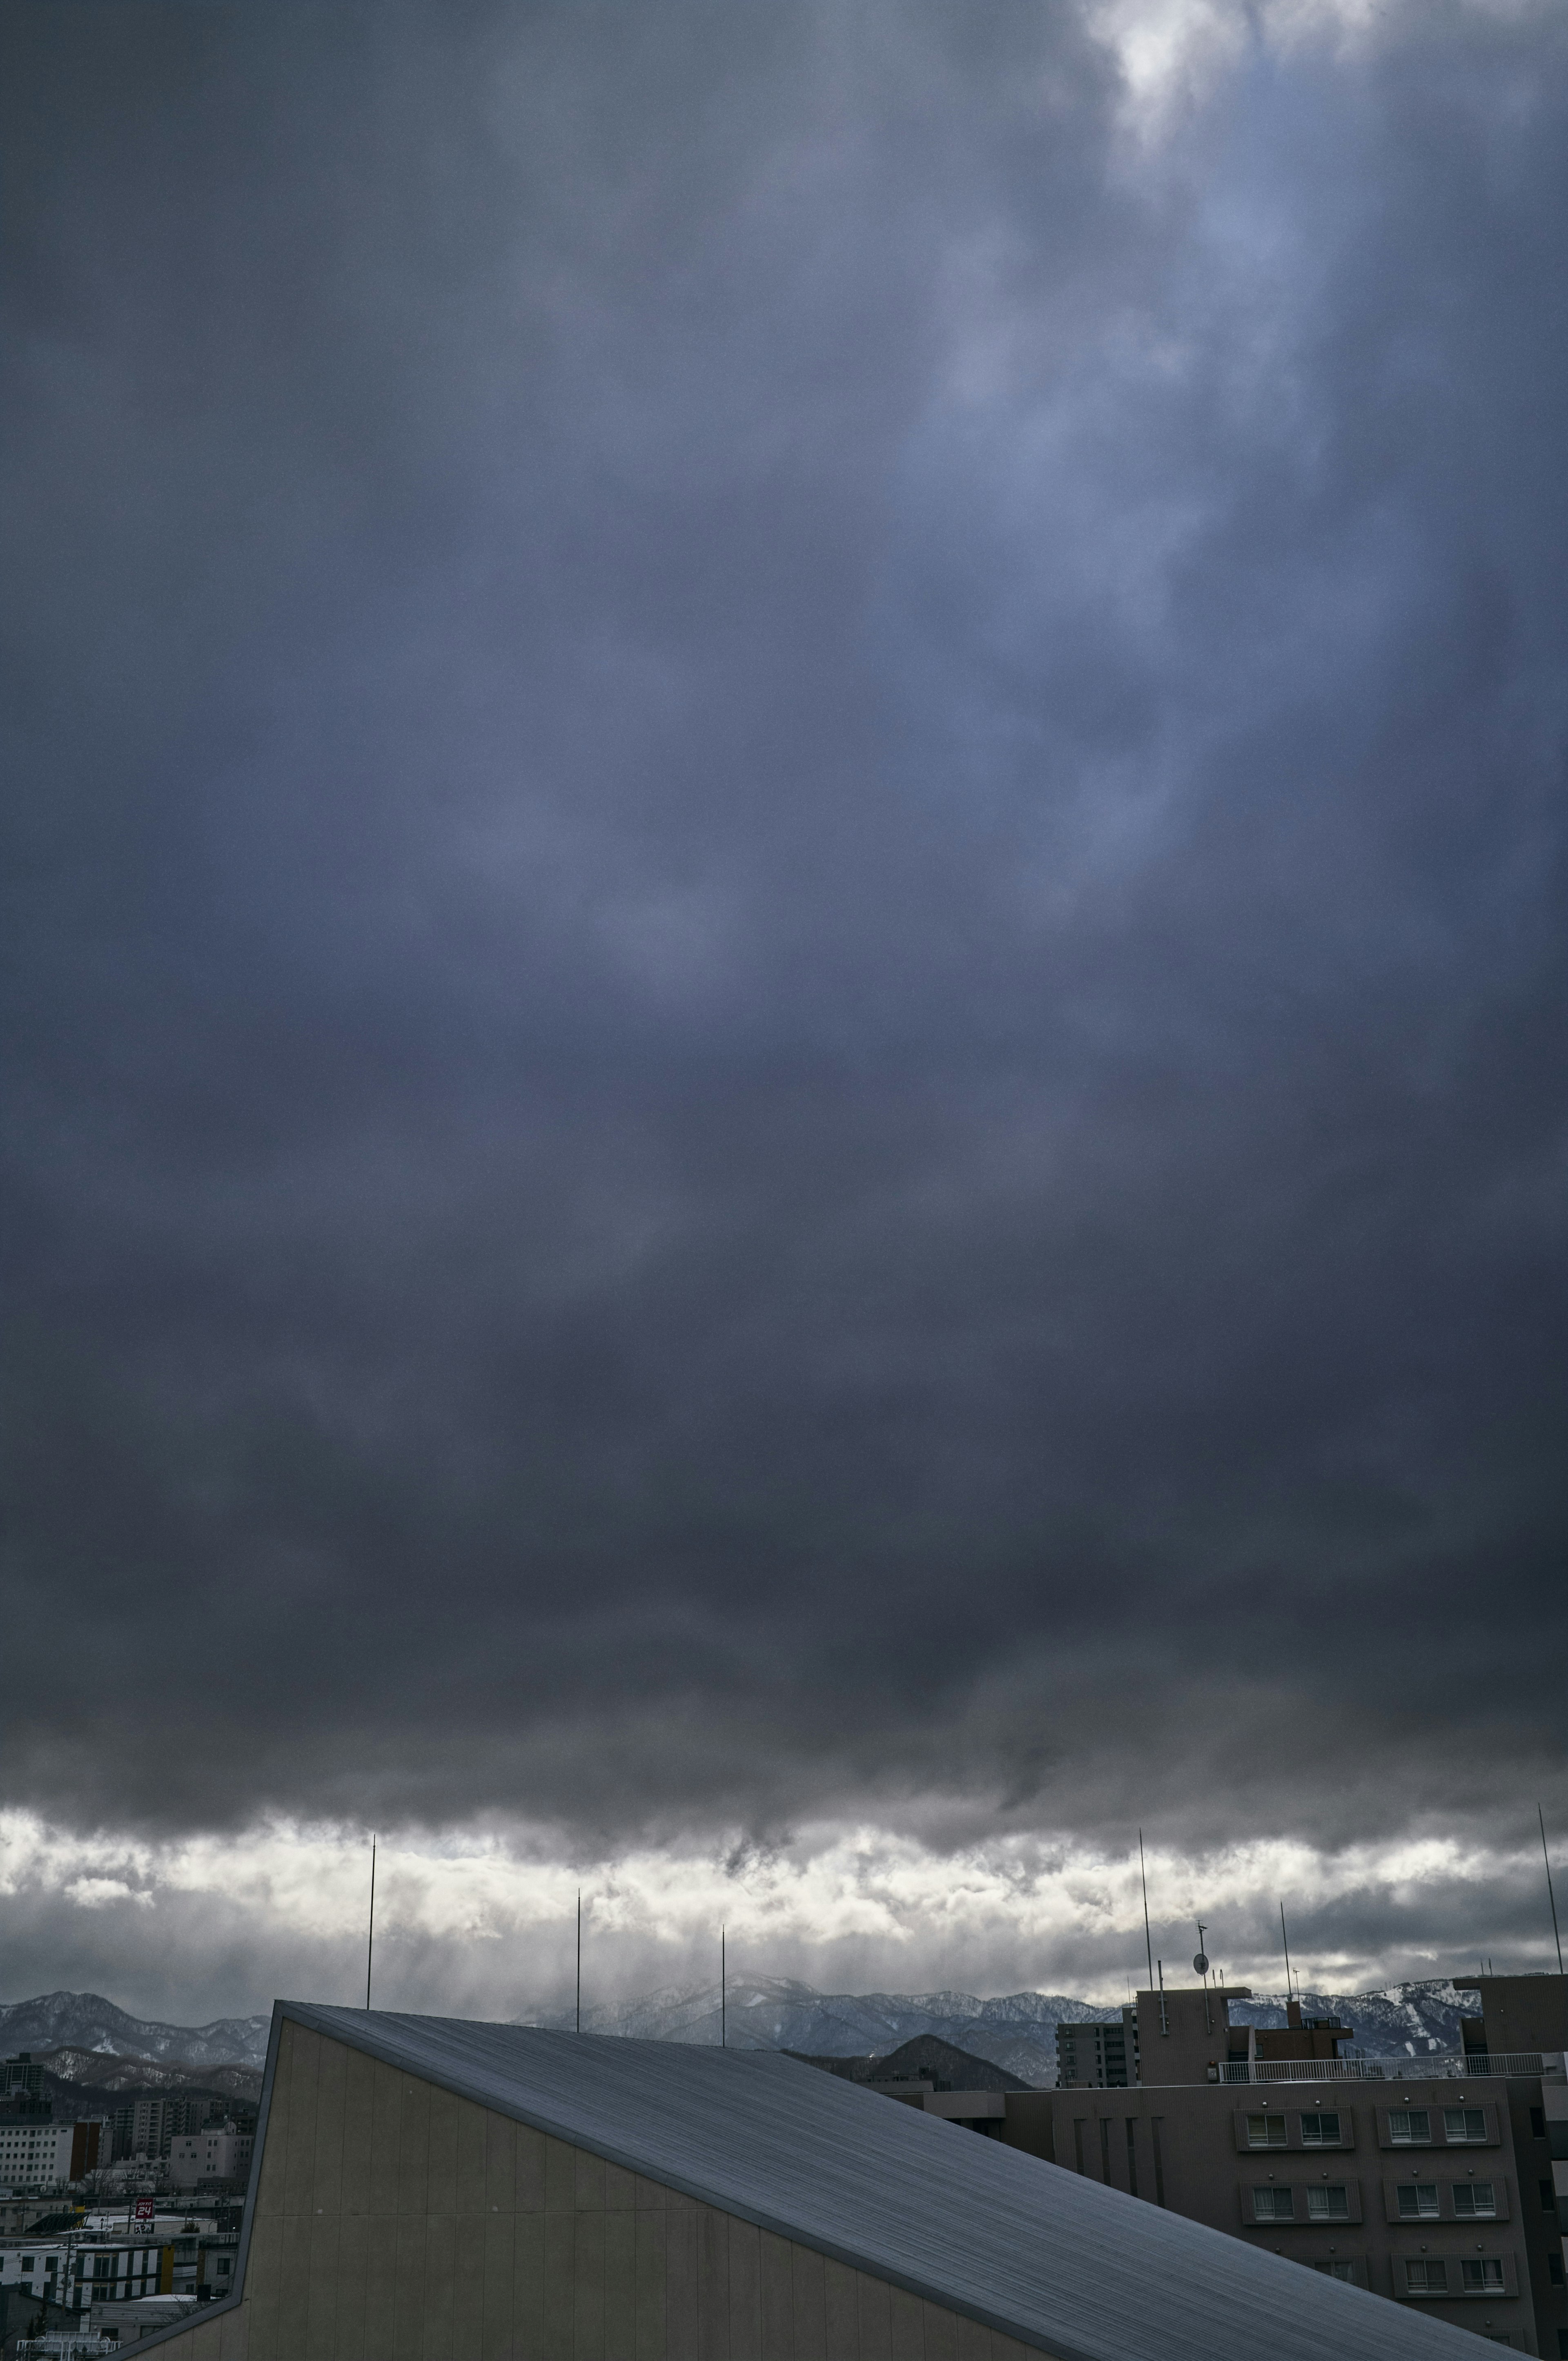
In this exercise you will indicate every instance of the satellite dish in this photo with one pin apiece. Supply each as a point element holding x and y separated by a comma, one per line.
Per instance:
<point>1200,1962</point>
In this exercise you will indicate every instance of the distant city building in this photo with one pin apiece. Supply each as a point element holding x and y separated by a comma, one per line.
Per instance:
<point>91,2144</point>
<point>79,2272</point>
<point>20,2078</point>
<point>139,2316</point>
<point>34,2155</point>
<point>1102,2057</point>
<point>148,2123</point>
<point>209,2155</point>
<point>203,2264</point>
<point>38,2267</point>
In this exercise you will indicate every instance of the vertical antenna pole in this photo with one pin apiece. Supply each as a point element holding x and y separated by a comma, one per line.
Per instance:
<point>1286,1940</point>
<point>723,1994</point>
<point>579,1959</point>
<point>1148,1938</point>
<point>1552,1897</point>
<point>370,1936</point>
<point>1163,2020</point>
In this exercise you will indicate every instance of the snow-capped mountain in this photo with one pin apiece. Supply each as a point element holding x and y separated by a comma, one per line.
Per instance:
<point>1405,2021</point>
<point>63,2020</point>
<point>95,2072</point>
<point>1016,2031</point>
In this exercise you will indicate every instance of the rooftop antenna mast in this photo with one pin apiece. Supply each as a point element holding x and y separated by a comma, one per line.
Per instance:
<point>723,1995</point>
<point>1201,1968</point>
<point>371,1933</point>
<point>1552,1897</point>
<point>579,1959</point>
<point>1148,1940</point>
<point>1286,1940</point>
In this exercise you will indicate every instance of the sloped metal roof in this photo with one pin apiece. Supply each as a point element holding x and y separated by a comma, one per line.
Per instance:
<point>1079,2270</point>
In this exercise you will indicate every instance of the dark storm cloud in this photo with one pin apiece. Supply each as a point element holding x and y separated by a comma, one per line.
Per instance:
<point>788,919</point>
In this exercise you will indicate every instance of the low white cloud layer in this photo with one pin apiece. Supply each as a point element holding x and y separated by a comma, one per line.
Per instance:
<point>483,1921</point>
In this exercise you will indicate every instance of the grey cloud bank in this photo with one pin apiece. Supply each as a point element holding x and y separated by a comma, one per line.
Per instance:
<point>785,898</point>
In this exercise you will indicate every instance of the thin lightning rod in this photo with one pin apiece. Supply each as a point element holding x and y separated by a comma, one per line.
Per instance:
<point>579,1959</point>
<point>1552,1897</point>
<point>1286,1940</point>
<point>370,1935</point>
<point>723,1994</point>
<point>1148,1938</point>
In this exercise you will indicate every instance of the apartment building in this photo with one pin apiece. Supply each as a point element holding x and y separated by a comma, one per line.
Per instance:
<point>34,2155</point>
<point>201,2263</point>
<point>1430,2192</point>
<point>20,2078</point>
<point>1098,2057</point>
<point>76,2272</point>
<point>198,2160</point>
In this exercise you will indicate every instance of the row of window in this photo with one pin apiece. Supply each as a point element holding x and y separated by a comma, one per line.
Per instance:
<point>1408,2127</point>
<point>1327,2204</point>
<point>1417,2201</point>
<point>1484,2277</point>
<point>1413,2127</point>
<point>1317,2131</point>
<point>1474,2201</point>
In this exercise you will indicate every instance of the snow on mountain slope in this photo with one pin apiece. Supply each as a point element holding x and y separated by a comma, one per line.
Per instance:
<point>1016,2030</point>
<point>63,2020</point>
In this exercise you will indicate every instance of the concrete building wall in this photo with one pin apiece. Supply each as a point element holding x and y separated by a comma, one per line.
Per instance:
<point>1189,2150</point>
<point>394,2222</point>
<point>1518,2013</point>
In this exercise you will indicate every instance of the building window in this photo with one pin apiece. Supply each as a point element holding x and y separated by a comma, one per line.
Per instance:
<point>1417,2201</point>
<point>1265,2131</point>
<point>1330,2204</point>
<point>1410,2129</point>
<point>1463,2124</point>
<point>1474,2200</point>
<point>1426,2278</point>
<point>1337,2271</point>
<point>1547,2197</point>
<point>1273,2205</point>
<point>1479,2276</point>
<point>1554,2269</point>
<point>1319,2131</point>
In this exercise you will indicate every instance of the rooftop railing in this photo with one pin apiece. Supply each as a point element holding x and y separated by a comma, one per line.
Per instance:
<point>1439,2066</point>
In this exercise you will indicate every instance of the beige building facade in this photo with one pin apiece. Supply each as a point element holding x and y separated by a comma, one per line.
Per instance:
<point>396,2221</point>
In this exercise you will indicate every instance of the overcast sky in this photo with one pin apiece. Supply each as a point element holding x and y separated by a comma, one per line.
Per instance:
<point>785,987</point>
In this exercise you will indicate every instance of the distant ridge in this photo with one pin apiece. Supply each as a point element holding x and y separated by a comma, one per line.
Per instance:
<point>1016,2031</point>
<point>64,2020</point>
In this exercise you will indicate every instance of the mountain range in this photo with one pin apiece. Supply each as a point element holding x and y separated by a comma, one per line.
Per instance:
<point>63,2020</point>
<point>77,2035</point>
<point>1017,2031</point>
